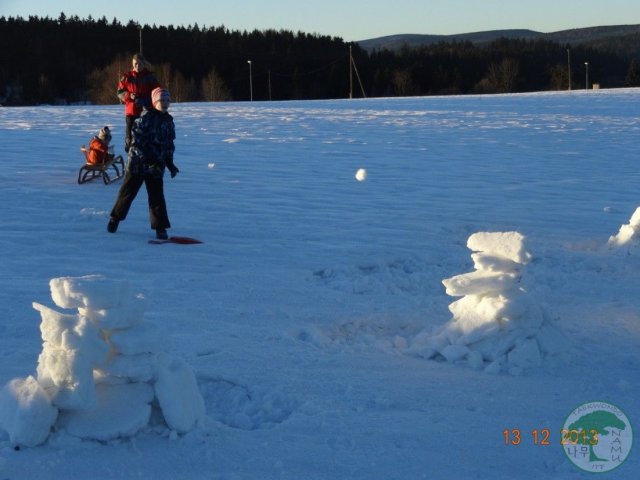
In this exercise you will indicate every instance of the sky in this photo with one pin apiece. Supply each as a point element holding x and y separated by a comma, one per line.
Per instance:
<point>353,20</point>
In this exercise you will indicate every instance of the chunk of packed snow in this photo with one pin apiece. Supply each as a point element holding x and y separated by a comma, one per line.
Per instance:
<point>551,339</point>
<point>627,233</point>
<point>67,376</point>
<point>128,313</point>
<point>26,413</point>
<point>71,332</point>
<point>525,355</point>
<point>121,411</point>
<point>493,263</point>
<point>136,368</point>
<point>178,394</point>
<point>453,353</point>
<point>479,282</point>
<point>510,245</point>
<point>146,337</point>
<point>91,291</point>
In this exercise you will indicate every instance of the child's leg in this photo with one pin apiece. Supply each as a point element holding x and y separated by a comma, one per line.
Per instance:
<point>128,191</point>
<point>157,205</point>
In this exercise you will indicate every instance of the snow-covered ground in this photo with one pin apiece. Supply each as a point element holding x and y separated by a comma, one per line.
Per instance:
<point>305,311</point>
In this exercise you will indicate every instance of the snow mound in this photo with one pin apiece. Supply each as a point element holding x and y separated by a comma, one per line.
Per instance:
<point>496,326</point>
<point>99,371</point>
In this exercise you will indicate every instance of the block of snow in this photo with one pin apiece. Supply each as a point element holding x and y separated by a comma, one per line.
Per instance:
<point>178,394</point>
<point>453,353</point>
<point>128,313</point>
<point>480,309</point>
<point>525,355</point>
<point>551,339</point>
<point>475,360</point>
<point>121,411</point>
<point>26,413</point>
<point>479,282</point>
<point>146,337</point>
<point>54,323</point>
<point>495,366</point>
<point>72,332</point>
<point>91,291</point>
<point>493,263</point>
<point>67,376</point>
<point>627,232</point>
<point>136,368</point>
<point>510,245</point>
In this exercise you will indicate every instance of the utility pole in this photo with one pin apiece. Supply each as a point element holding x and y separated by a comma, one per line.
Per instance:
<point>586,82</point>
<point>250,81</point>
<point>350,73</point>
<point>569,66</point>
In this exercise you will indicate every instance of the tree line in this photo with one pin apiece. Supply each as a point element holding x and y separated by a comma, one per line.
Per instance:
<point>74,60</point>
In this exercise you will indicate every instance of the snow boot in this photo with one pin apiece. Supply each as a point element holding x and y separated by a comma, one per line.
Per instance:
<point>161,234</point>
<point>112,226</point>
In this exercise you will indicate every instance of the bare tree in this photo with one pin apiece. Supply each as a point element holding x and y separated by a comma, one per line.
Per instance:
<point>214,89</point>
<point>501,77</point>
<point>103,82</point>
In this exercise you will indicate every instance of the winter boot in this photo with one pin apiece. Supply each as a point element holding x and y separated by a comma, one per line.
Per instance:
<point>161,234</point>
<point>112,226</point>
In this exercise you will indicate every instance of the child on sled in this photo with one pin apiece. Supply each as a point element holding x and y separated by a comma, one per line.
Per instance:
<point>99,149</point>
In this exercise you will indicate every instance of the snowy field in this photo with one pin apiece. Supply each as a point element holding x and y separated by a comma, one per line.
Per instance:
<point>304,312</point>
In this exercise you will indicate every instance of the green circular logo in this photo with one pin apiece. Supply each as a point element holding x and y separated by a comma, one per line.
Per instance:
<point>597,437</point>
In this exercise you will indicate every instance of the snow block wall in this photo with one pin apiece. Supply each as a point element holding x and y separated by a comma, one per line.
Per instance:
<point>496,325</point>
<point>101,372</point>
<point>628,236</point>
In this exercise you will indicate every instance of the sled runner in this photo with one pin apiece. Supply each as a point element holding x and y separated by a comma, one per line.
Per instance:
<point>110,170</point>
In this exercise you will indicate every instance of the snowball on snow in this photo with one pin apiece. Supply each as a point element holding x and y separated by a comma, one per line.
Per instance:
<point>128,313</point>
<point>479,282</point>
<point>121,411</point>
<point>178,394</point>
<point>146,337</point>
<point>26,413</point>
<point>510,245</point>
<point>91,291</point>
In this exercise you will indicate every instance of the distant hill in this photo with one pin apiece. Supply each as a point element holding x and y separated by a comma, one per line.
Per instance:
<point>573,37</point>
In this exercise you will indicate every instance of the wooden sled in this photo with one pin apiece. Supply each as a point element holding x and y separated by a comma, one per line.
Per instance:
<point>110,170</point>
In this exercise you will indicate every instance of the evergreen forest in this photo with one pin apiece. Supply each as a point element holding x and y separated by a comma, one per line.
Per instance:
<point>71,60</point>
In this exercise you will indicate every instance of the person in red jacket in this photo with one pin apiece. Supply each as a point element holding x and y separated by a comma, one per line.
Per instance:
<point>134,90</point>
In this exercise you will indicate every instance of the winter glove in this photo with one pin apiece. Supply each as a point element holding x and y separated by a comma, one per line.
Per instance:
<point>173,169</point>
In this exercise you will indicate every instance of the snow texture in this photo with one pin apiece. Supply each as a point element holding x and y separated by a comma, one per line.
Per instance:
<point>308,311</point>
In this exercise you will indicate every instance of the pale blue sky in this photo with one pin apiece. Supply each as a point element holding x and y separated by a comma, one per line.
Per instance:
<point>351,20</point>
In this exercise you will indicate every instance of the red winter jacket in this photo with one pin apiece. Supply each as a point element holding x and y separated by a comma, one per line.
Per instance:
<point>98,151</point>
<point>140,85</point>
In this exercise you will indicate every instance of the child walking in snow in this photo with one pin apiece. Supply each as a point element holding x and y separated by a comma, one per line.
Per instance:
<point>151,151</point>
